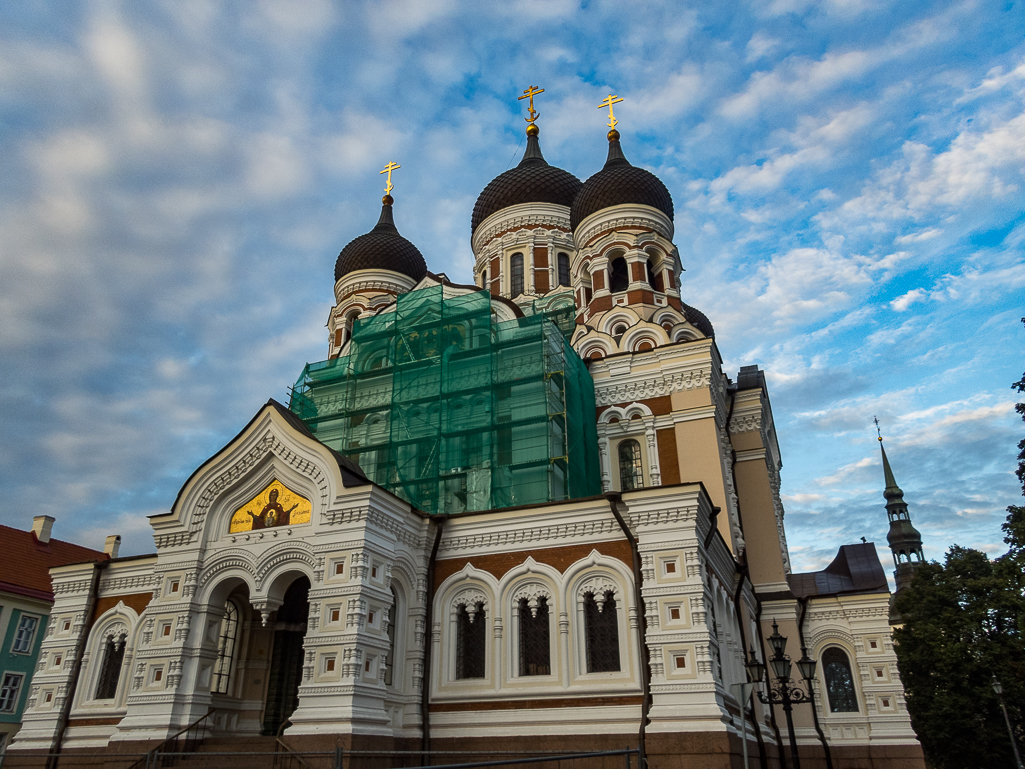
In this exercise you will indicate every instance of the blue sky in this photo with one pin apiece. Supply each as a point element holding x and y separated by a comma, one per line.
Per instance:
<point>178,178</point>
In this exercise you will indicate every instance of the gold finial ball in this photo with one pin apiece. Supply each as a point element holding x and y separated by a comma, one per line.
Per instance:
<point>387,200</point>
<point>613,135</point>
<point>532,130</point>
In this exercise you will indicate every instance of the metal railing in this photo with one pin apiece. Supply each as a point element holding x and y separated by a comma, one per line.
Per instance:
<point>179,743</point>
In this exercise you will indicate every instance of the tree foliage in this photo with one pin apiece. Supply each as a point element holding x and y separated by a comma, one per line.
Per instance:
<point>964,622</point>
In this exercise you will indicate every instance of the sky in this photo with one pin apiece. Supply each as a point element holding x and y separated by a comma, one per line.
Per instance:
<point>177,179</point>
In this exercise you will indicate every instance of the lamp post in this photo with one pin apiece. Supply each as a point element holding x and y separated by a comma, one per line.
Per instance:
<point>784,693</point>
<point>999,689</point>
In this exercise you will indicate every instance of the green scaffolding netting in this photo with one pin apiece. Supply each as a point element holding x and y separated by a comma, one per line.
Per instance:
<point>451,410</point>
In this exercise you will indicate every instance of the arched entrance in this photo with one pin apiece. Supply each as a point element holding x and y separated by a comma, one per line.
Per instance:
<point>286,659</point>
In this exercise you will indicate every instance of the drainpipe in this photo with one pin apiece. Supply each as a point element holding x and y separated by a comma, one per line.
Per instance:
<point>614,499</point>
<point>425,686</point>
<point>76,668</point>
<point>814,711</point>
<point>744,713</point>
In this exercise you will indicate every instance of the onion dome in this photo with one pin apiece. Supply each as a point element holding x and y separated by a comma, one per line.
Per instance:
<point>619,183</point>
<point>382,249</point>
<point>699,320</point>
<point>532,181</point>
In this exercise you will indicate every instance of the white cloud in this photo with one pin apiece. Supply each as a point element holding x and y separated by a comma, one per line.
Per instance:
<point>902,303</point>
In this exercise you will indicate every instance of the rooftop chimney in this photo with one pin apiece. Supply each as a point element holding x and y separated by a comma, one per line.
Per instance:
<point>41,527</point>
<point>112,545</point>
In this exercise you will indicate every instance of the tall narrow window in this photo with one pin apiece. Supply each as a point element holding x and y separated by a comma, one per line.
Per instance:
<point>631,473</point>
<point>471,637</point>
<point>535,648</point>
<point>226,643</point>
<point>836,669</point>
<point>389,661</point>
<point>563,269</point>
<point>516,273</point>
<point>110,670</point>
<point>619,278</point>
<point>601,629</point>
<point>25,635</point>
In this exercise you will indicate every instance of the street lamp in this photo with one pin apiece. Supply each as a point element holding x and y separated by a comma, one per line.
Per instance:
<point>999,689</point>
<point>784,693</point>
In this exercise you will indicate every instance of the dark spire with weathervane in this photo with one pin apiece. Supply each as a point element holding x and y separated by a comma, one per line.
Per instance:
<point>905,540</point>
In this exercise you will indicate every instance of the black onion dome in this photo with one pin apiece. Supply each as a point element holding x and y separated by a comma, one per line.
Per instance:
<point>699,320</point>
<point>382,249</point>
<point>532,181</point>
<point>618,183</point>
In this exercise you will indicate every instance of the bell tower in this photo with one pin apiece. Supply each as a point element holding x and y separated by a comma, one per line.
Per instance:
<point>904,539</point>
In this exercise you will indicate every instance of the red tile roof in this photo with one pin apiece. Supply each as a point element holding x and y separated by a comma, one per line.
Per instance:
<point>25,562</point>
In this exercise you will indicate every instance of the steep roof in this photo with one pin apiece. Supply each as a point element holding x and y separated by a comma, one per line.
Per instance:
<point>26,562</point>
<point>856,569</point>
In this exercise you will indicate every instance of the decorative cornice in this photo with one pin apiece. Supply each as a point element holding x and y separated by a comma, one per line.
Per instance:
<point>624,392</point>
<point>548,215</point>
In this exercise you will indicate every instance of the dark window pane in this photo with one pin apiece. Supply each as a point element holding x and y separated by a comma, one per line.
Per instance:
<point>602,634</point>
<point>535,649</point>
<point>631,474</point>
<point>563,270</point>
<point>389,662</point>
<point>839,682</point>
<point>110,672</point>
<point>471,637</point>
<point>516,272</point>
<point>226,648</point>
<point>619,279</point>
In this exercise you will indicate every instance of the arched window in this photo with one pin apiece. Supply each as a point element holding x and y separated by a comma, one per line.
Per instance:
<point>471,637</point>
<point>226,643</point>
<point>484,278</point>
<point>516,273</point>
<point>563,260</point>
<point>619,278</point>
<point>618,331</point>
<point>110,670</point>
<point>836,669</point>
<point>535,648</point>
<point>601,630</point>
<point>654,278</point>
<point>631,473</point>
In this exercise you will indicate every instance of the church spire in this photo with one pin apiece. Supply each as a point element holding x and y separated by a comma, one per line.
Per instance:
<point>905,540</point>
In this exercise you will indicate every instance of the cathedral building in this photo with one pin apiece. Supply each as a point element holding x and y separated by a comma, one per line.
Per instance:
<point>528,512</point>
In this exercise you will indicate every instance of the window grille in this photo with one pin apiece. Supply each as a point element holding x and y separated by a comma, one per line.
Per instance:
<point>535,649</point>
<point>25,634</point>
<point>110,671</point>
<point>226,648</point>
<point>563,269</point>
<point>619,278</point>
<point>9,692</point>
<point>601,633</point>
<point>516,273</point>
<point>836,669</point>
<point>631,473</point>
<point>471,638</point>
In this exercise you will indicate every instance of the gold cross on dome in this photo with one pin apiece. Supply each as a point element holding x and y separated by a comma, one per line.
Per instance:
<point>392,165</point>
<point>608,101</point>
<point>530,93</point>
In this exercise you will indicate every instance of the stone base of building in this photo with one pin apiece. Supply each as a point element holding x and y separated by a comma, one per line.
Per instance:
<point>685,750</point>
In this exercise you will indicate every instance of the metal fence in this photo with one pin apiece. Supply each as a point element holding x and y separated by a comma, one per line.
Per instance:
<point>336,759</point>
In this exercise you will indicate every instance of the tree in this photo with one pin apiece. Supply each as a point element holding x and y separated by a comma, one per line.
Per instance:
<point>964,622</point>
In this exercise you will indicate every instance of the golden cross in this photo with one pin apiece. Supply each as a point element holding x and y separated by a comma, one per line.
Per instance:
<point>608,102</point>
<point>392,165</point>
<point>530,93</point>
<point>878,431</point>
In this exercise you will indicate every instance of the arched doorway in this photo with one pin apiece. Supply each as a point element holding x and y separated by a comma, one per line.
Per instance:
<point>286,660</point>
